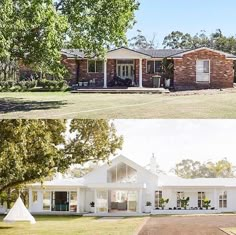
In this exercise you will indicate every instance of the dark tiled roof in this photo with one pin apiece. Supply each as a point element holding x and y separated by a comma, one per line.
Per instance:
<point>154,53</point>
<point>161,53</point>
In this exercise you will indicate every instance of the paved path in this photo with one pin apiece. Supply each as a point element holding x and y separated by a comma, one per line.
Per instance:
<point>190,225</point>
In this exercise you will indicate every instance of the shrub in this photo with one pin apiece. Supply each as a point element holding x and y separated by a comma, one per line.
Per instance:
<point>148,204</point>
<point>16,88</point>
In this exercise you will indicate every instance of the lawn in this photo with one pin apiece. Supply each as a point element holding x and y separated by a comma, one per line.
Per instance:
<point>51,225</point>
<point>186,105</point>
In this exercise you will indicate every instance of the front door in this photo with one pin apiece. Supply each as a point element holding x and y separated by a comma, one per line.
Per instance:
<point>125,69</point>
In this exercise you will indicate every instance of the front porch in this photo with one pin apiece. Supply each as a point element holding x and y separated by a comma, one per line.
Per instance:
<point>120,69</point>
<point>121,90</point>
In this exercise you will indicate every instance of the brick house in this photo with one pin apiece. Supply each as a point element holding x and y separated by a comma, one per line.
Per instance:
<point>192,69</point>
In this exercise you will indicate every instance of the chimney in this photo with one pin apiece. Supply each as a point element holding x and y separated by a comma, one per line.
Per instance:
<point>153,164</point>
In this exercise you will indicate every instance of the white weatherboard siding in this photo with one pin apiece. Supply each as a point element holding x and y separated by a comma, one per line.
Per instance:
<point>125,187</point>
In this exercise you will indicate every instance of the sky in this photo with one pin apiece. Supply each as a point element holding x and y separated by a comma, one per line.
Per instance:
<point>174,140</point>
<point>161,17</point>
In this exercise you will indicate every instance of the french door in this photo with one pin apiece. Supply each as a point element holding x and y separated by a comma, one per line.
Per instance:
<point>125,71</point>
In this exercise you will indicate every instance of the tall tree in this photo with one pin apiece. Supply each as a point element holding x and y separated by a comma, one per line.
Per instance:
<point>178,40</point>
<point>35,31</point>
<point>141,42</point>
<point>194,169</point>
<point>31,150</point>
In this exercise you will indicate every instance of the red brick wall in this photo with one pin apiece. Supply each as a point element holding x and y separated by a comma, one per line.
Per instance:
<point>147,78</point>
<point>99,77</point>
<point>222,72</point>
<point>71,65</point>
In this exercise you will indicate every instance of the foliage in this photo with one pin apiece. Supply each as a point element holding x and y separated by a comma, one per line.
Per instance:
<point>92,204</point>
<point>206,203</point>
<point>31,150</point>
<point>51,84</point>
<point>185,202</point>
<point>17,86</point>
<point>141,42</point>
<point>47,85</point>
<point>168,68</point>
<point>82,170</point>
<point>148,204</point>
<point>34,32</point>
<point>179,40</point>
<point>163,203</point>
<point>194,169</point>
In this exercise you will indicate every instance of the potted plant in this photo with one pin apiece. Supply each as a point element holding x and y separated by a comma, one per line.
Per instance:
<point>206,203</point>
<point>148,207</point>
<point>163,203</point>
<point>185,202</point>
<point>92,207</point>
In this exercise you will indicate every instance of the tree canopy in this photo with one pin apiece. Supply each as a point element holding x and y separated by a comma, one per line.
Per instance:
<point>194,169</point>
<point>35,31</point>
<point>141,42</point>
<point>216,40</point>
<point>31,150</point>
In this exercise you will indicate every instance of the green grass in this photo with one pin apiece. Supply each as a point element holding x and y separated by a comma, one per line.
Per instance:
<point>73,225</point>
<point>111,106</point>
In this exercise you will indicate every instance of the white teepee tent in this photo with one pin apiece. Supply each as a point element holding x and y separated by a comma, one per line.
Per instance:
<point>19,213</point>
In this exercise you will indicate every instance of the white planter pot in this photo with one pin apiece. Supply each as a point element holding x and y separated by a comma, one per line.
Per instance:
<point>92,209</point>
<point>148,209</point>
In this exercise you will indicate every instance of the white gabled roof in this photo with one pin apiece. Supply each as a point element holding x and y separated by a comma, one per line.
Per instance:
<point>174,181</point>
<point>63,182</point>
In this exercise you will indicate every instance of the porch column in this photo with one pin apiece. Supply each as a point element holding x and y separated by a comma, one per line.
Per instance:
<point>95,201</point>
<point>105,73</point>
<point>140,200</point>
<point>140,73</point>
<point>215,199</point>
<point>78,201</point>
<point>30,199</point>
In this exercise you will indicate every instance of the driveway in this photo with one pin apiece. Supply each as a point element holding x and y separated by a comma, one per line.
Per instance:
<point>188,225</point>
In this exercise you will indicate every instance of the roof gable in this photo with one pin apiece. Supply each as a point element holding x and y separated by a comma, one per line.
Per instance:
<point>227,55</point>
<point>117,160</point>
<point>124,52</point>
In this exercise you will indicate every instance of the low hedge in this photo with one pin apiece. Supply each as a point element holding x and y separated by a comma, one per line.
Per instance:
<point>41,85</point>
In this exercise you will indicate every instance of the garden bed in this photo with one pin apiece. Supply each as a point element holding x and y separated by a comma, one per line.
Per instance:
<point>184,212</point>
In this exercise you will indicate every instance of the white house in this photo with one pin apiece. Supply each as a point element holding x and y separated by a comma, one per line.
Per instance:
<point>125,187</point>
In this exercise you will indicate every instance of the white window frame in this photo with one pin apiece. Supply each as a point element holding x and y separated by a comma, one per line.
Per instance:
<point>222,200</point>
<point>158,196</point>
<point>203,196</point>
<point>209,74</point>
<point>181,196</point>
<point>155,60</point>
<point>95,66</point>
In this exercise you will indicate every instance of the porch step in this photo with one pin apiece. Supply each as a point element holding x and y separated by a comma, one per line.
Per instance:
<point>131,90</point>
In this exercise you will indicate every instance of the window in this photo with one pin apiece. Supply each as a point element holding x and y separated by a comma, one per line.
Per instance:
<point>203,70</point>
<point>180,195</point>
<point>158,196</point>
<point>154,66</point>
<point>201,197</point>
<point>121,173</point>
<point>223,200</point>
<point>35,196</point>
<point>102,201</point>
<point>95,66</point>
<point>73,201</point>
<point>46,201</point>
